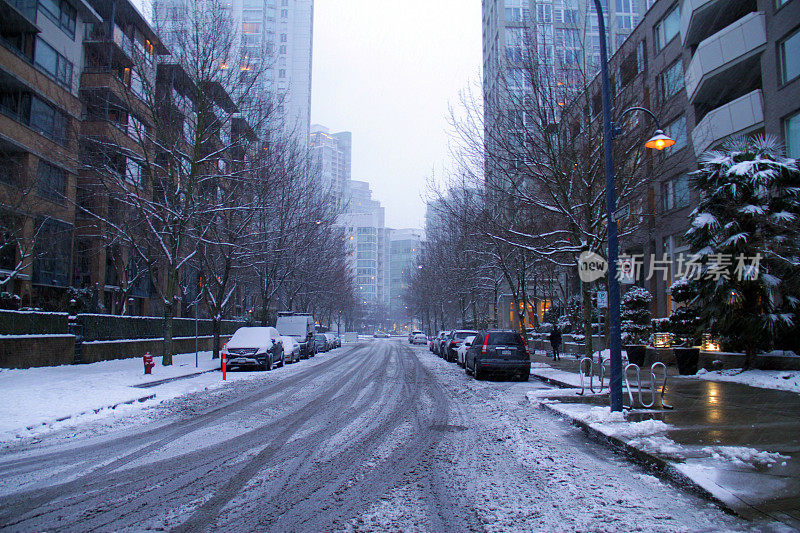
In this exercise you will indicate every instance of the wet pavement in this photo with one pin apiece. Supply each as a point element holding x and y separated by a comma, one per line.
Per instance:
<point>709,414</point>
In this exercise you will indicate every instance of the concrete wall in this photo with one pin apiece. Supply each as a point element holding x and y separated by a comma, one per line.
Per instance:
<point>24,351</point>
<point>93,352</point>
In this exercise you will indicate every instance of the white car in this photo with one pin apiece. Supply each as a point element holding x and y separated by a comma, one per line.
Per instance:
<point>331,340</point>
<point>254,347</point>
<point>291,349</point>
<point>413,335</point>
<point>420,338</point>
<point>461,352</point>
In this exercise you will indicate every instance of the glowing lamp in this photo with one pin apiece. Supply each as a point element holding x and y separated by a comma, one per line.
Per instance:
<point>659,141</point>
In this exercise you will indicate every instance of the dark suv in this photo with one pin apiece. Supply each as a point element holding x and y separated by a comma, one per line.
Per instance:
<point>498,351</point>
<point>453,341</point>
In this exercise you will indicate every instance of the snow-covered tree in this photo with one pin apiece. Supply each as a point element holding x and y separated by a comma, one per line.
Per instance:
<point>684,321</point>
<point>635,316</point>
<point>745,235</point>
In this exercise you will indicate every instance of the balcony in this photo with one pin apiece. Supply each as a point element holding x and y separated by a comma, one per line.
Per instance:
<point>726,58</point>
<point>97,40</point>
<point>701,18</point>
<point>17,17</point>
<point>740,116</point>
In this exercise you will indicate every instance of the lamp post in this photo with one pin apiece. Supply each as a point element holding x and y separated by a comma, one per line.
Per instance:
<point>659,141</point>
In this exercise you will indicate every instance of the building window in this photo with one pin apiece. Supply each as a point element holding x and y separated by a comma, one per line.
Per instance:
<point>789,50</point>
<point>61,13</point>
<point>670,81</point>
<point>677,130</point>
<point>52,182</point>
<point>48,121</point>
<point>668,28</point>
<point>52,246</point>
<point>791,132</point>
<point>675,193</point>
<point>57,66</point>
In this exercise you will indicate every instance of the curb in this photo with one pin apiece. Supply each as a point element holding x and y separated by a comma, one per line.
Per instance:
<point>662,467</point>
<point>168,380</point>
<point>95,411</point>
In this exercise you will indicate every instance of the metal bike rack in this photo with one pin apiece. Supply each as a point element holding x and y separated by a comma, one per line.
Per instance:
<point>655,393</point>
<point>588,363</point>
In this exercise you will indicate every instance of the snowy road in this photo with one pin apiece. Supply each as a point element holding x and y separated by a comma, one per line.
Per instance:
<point>374,437</point>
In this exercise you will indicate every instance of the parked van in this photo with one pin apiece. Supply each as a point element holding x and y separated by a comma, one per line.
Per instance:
<point>300,326</point>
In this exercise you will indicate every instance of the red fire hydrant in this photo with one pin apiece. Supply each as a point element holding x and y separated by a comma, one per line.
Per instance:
<point>148,363</point>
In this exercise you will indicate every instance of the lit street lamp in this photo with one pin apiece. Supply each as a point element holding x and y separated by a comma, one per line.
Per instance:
<point>659,141</point>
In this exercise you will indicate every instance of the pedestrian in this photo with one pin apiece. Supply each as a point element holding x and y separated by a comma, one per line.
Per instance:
<point>555,342</point>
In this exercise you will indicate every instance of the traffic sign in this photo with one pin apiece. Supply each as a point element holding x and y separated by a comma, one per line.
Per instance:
<point>622,213</point>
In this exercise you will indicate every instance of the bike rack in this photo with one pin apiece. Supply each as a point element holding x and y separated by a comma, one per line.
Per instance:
<point>588,363</point>
<point>656,393</point>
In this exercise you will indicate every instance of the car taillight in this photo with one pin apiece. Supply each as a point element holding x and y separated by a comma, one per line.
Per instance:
<point>453,343</point>
<point>485,343</point>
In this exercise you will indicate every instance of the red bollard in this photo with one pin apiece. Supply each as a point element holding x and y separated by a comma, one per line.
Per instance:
<point>148,363</point>
<point>224,361</point>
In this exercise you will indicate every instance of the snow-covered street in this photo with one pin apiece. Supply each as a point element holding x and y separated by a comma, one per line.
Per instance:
<point>377,436</point>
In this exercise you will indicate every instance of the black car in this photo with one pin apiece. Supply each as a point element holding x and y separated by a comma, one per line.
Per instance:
<point>498,351</point>
<point>453,341</point>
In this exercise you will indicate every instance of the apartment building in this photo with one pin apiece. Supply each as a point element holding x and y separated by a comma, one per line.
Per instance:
<point>711,70</point>
<point>404,247</point>
<point>274,40</point>
<point>331,159</point>
<point>41,58</point>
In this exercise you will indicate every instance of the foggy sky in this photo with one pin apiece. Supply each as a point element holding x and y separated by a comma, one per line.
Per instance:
<point>386,70</point>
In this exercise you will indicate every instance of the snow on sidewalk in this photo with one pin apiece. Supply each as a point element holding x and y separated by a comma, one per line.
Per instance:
<point>36,399</point>
<point>787,380</point>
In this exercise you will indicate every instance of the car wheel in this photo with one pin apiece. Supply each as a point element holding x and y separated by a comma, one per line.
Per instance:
<point>476,371</point>
<point>268,363</point>
<point>525,375</point>
<point>466,368</point>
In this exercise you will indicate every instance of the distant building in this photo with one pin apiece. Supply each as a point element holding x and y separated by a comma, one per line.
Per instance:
<point>365,230</point>
<point>331,155</point>
<point>404,246</point>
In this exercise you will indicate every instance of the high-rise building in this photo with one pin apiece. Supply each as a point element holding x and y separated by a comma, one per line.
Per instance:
<point>365,230</point>
<point>275,39</point>
<point>404,245</point>
<point>330,159</point>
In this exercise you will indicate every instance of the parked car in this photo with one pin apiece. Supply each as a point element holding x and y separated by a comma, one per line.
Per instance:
<point>461,352</point>
<point>291,349</point>
<point>420,338</point>
<point>301,327</point>
<point>381,335</point>
<point>320,343</point>
<point>435,342</point>
<point>254,347</point>
<point>331,340</point>
<point>498,351</point>
<point>440,344</point>
<point>411,336</point>
<point>453,341</point>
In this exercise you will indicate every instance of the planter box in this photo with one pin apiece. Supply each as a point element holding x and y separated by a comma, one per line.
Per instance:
<point>687,360</point>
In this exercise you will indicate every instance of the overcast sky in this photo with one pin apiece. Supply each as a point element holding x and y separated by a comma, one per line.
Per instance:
<point>386,70</point>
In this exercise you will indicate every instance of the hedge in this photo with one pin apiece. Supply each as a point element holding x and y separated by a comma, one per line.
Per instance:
<point>33,323</point>
<point>113,327</point>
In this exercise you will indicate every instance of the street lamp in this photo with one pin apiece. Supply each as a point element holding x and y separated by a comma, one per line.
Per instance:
<point>659,141</point>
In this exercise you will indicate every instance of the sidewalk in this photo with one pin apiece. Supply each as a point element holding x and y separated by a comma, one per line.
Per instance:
<point>43,398</point>
<point>738,444</point>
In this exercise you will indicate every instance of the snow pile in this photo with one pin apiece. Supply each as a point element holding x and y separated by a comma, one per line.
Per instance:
<point>741,455</point>
<point>639,429</point>
<point>788,380</point>
<point>658,444</point>
<point>536,400</point>
<point>602,415</point>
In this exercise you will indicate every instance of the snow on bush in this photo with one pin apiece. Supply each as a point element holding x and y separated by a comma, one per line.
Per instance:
<point>741,455</point>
